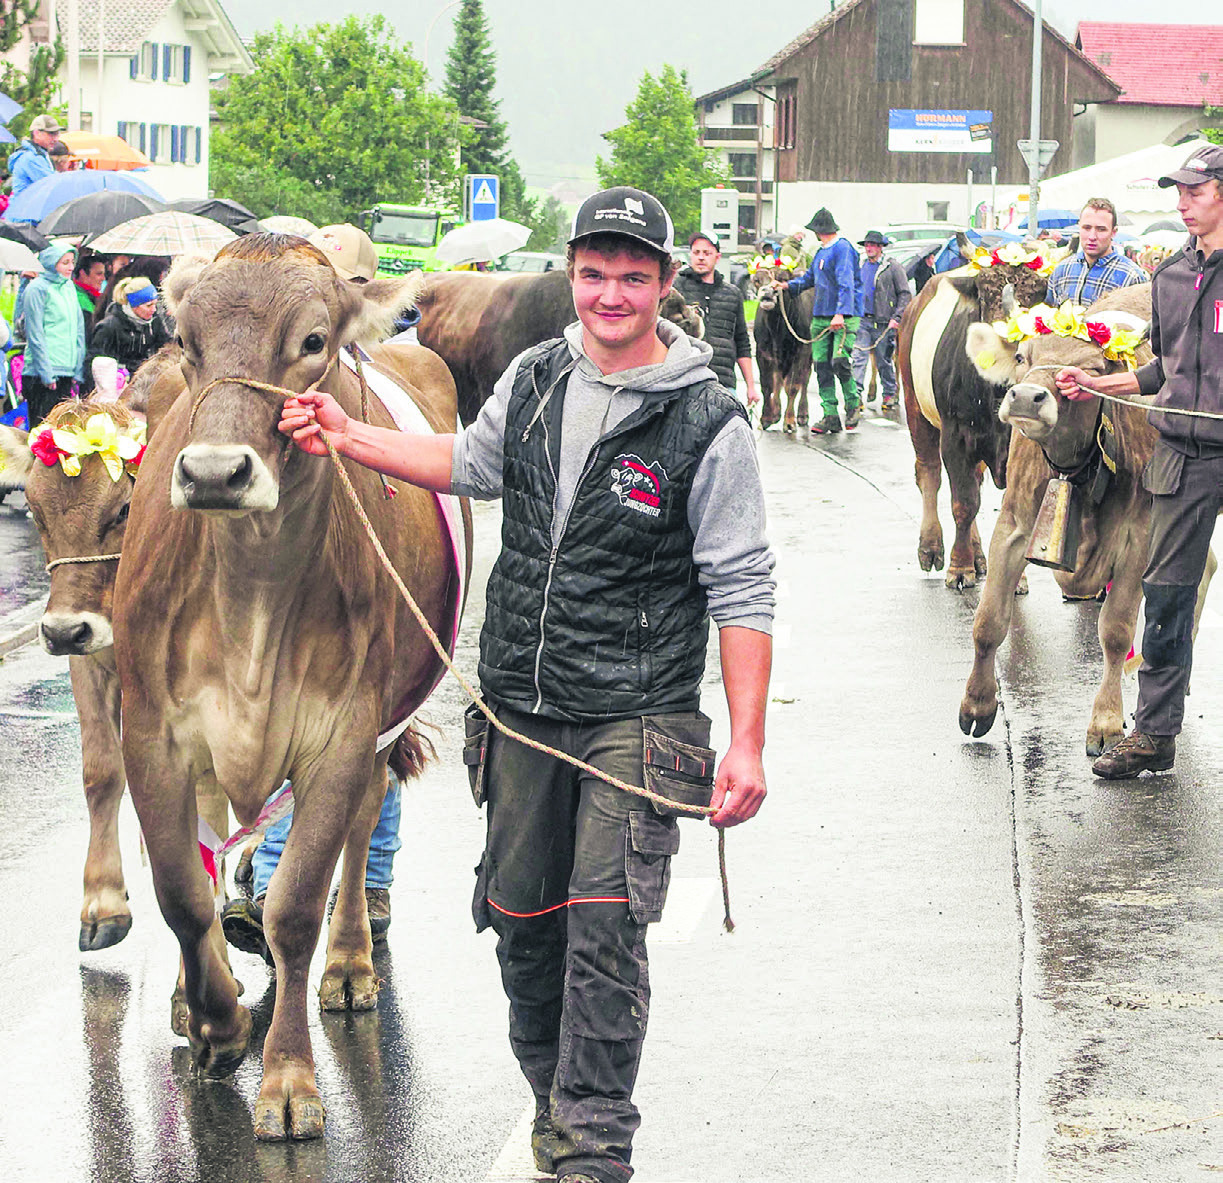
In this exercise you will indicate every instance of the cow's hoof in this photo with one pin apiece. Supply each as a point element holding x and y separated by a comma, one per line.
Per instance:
<point>1021,588</point>
<point>1099,742</point>
<point>351,987</point>
<point>791,427</point>
<point>930,556</point>
<point>180,1013</point>
<point>101,934</point>
<point>975,724</point>
<point>960,578</point>
<point>299,1117</point>
<point>980,566</point>
<point>218,1054</point>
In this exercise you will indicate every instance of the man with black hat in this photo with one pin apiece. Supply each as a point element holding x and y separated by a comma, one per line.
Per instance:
<point>722,305</point>
<point>835,275</point>
<point>1185,474</point>
<point>632,512</point>
<point>32,160</point>
<point>885,293</point>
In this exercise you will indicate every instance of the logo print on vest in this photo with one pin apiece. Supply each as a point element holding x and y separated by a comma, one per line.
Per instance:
<point>638,484</point>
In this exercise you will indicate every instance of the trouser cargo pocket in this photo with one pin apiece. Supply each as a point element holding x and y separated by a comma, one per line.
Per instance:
<point>479,901</point>
<point>476,729</point>
<point>650,843</point>
<point>678,764</point>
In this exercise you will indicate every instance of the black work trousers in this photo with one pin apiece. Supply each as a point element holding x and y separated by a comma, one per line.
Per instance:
<point>1187,494</point>
<point>572,873</point>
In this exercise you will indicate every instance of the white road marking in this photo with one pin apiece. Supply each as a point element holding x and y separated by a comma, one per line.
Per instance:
<point>515,1163</point>
<point>688,900</point>
<point>881,422</point>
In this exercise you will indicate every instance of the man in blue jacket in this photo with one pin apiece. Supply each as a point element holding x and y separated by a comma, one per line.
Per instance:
<point>835,275</point>
<point>32,161</point>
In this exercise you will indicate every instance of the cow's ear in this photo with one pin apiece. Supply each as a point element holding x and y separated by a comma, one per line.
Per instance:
<point>377,305</point>
<point>16,459</point>
<point>967,250</point>
<point>966,285</point>
<point>183,273</point>
<point>993,357</point>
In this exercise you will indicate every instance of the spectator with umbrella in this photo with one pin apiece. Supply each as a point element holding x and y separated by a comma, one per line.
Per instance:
<point>32,160</point>
<point>131,331</point>
<point>54,333</point>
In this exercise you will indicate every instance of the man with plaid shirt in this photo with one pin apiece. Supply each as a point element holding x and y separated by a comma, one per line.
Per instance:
<point>1097,269</point>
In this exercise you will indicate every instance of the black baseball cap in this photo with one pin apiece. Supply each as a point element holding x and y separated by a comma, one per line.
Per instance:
<point>1203,165</point>
<point>624,210</point>
<point>709,236</point>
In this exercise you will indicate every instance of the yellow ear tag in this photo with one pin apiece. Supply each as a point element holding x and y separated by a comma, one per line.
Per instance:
<point>985,360</point>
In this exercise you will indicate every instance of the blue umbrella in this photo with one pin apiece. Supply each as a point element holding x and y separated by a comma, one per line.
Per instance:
<point>48,194</point>
<point>9,109</point>
<point>1054,219</point>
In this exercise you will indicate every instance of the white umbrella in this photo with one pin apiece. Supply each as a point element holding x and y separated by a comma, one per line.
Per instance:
<point>1169,240</point>
<point>288,224</point>
<point>168,233</point>
<point>479,241</point>
<point>16,256</point>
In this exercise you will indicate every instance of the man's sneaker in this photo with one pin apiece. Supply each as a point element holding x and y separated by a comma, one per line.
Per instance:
<point>889,403</point>
<point>829,425</point>
<point>852,417</point>
<point>242,924</point>
<point>1137,753</point>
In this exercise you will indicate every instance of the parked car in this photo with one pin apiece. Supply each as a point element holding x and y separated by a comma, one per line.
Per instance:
<point>909,231</point>
<point>532,261</point>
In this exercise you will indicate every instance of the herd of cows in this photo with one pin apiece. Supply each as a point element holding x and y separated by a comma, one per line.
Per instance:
<point>249,636</point>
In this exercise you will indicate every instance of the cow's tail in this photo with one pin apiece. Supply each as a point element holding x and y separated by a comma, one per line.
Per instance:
<point>412,750</point>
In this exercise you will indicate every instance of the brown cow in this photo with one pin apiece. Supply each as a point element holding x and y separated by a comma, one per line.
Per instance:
<point>478,323</point>
<point>783,349</point>
<point>951,410</point>
<point>1058,434</point>
<point>259,639</point>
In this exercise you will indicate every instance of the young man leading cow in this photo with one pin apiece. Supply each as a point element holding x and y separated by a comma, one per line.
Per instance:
<point>1185,476</point>
<point>633,512</point>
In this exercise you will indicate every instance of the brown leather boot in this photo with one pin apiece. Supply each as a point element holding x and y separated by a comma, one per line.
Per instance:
<point>1136,753</point>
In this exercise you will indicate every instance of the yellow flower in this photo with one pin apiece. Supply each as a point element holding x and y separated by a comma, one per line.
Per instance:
<point>1121,346</point>
<point>99,437</point>
<point>1068,321</point>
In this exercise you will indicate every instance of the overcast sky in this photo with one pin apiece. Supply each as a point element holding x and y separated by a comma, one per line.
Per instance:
<point>566,69</point>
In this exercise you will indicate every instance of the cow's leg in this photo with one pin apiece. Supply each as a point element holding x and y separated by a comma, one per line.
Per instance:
<point>992,621</point>
<point>770,412</point>
<point>289,1105</point>
<point>217,1027</point>
<point>349,980</point>
<point>980,565</point>
<point>1118,618</point>
<point>928,471</point>
<point>106,917</point>
<point>965,479</point>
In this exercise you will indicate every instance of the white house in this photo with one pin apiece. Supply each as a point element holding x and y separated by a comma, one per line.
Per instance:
<point>156,60</point>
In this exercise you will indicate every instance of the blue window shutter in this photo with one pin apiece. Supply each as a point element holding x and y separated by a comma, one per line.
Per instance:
<point>153,142</point>
<point>182,144</point>
<point>167,59</point>
<point>186,63</point>
<point>144,128</point>
<point>122,130</point>
<point>153,75</point>
<point>135,65</point>
<point>199,138</point>
<point>174,143</point>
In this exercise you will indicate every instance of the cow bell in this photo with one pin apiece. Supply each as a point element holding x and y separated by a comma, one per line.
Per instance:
<point>1055,537</point>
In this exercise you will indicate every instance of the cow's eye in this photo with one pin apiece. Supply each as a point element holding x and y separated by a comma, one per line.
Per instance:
<point>121,516</point>
<point>314,343</point>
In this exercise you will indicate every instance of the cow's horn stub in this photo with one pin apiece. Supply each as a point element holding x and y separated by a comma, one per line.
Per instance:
<point>1008,301</point>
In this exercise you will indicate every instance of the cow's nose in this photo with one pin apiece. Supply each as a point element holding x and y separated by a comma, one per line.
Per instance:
<point>210,476</point>
<point>61,637</point>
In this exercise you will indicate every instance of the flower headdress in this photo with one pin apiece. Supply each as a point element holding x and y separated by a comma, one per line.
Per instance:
<point>760,261</point>
<point>119,449</point>
<point>1117,342</point>
<point>1013,254</point>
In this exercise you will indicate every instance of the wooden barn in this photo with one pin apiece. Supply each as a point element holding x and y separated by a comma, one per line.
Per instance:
<point>836,84</point>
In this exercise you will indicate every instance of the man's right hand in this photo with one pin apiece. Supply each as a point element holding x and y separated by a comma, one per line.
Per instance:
<point>1074,383</point>
<point>307,416</point>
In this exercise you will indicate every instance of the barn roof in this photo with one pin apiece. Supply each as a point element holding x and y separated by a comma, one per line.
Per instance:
<point>829,19</point>
<point>1166,65</point>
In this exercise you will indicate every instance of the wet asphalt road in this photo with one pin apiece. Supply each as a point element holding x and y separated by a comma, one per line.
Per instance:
<point>956,960</point>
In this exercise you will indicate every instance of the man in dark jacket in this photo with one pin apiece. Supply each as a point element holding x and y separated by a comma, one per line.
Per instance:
<point>722,305</point>
<point>1185,475</point>
<point>885,293</point>
<point>632,513</point>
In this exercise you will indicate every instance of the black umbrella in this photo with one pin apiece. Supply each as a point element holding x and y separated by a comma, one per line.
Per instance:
<point>25,234</point>
<point>220,209</point>
<point>97,212</point>
<point>1167,224</point>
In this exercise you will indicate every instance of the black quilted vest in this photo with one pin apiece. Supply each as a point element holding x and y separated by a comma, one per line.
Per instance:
<point>613,623</point>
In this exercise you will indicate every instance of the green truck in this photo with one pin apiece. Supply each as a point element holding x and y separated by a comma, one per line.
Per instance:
<point>406,236</point>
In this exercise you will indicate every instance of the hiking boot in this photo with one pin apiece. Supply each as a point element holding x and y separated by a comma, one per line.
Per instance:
<point>377,907</point>
<point>1136,753</point>
<point>829,425</point>
<point>577,1177</point>
<point>242,924</point>
<point>890,403</point>
<point>852,417</point>
<point>244,873</point>
<point>545,1141</point>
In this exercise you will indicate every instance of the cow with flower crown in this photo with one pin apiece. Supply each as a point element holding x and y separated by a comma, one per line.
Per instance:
<point>1075,466</point>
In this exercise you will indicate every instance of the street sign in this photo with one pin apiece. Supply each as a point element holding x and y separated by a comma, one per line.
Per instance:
<point>1038,153</point>
<point>483,196</point>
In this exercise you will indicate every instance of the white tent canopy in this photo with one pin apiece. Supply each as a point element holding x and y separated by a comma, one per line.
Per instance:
<point>1129,182</point>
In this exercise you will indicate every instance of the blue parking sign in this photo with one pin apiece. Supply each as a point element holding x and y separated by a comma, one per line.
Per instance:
<point>483,196</point>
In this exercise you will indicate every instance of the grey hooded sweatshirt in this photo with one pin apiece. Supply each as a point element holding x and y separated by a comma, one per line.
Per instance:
<point>726,506</point>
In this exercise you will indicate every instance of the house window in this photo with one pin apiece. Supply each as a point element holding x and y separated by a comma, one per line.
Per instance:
<point>747,221</point>
<point>160,143</point>
<point>145,64</point>
<point>938,22</point>
<point>938,211</point>
<point>189,145</point>
<point>742,164</point>
<point>745,114</point>
<point>784,127</point>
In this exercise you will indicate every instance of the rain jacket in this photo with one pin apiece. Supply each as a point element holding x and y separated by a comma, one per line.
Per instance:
<point>1187,337</point>
<point>837,279</point>
<point>616,635</point>
<point>28,164</point>
<point>130,341</point>
<point>54,323</point>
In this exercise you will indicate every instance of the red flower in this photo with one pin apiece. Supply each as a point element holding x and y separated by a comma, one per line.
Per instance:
<point>1100,334</point>
<point>45,449</point>
<point>996,259</point>
<point>1035,264</point>
<point>1041,327</point>
<point>135,460</point>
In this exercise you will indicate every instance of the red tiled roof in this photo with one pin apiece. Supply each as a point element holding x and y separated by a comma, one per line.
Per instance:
<point>1167,65</point>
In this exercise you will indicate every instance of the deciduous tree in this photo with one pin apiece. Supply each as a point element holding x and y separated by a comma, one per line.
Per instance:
<point>658,149</point>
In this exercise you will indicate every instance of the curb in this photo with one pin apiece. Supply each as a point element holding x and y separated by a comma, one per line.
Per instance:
<point>19,628</point>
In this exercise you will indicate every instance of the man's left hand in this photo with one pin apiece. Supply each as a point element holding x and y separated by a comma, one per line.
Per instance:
<point>738,791</point>
<point>893,323</point>
<point>753,395</point>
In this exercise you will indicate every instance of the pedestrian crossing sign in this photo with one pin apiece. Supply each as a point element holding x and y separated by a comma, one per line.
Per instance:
<point>483,196</point>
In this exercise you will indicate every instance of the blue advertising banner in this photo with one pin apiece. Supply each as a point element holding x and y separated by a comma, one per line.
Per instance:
<point>941,131</point>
